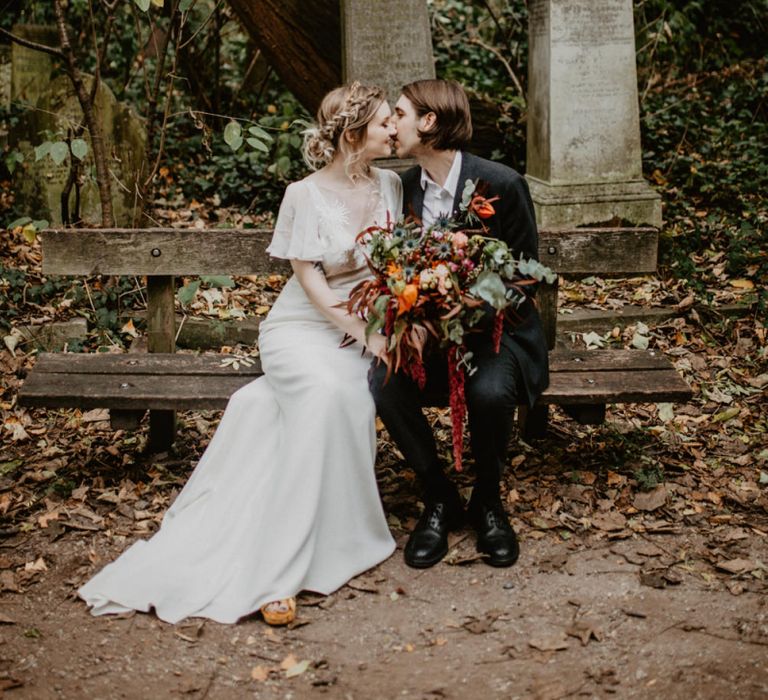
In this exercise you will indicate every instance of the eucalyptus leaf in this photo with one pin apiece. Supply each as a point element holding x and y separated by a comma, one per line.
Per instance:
<point>59,152</point>
<point>40,224</point>
<point>233,135</point>
<point>23,221</point>
<point>260,133</point>
<point>143,5</point>
<point>218,280</point>
<point>187,293</point>
<point>639,341</point>
<point>42,150</point>
<point>258,145</point>
<point>490,287</point>
<point>79,148</point>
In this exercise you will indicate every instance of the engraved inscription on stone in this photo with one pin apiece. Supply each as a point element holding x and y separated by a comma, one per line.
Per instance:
<point>583,113</point>
<point>31,70</point>
<point>40,183</point>
<point>387,44</point>
<point>538,17</point>
<point>5,76</point>
<point>590,85</point>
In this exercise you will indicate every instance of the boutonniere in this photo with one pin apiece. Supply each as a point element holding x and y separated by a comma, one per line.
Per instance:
<point>475,204</point>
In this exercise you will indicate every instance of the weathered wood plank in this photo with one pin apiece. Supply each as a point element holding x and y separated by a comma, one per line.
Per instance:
<point>158,252</point>
<point>608,251</point>
<point>546,297</point>
<point>198,391</point>
<point>161,337</point>
<point>615,387</point>
<point>166,392</point>
<point>134,363</point>
<point>243,251</point>
<point>560,360</point>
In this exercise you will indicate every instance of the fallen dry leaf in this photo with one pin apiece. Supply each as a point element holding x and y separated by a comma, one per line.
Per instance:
<point>737,566</point>
<point>297,669</point>
<point>5,620</point>
<point>37,565</point>
<point>584,630</point>
<point>610,521</point>
<point>553,641</point>
<point>651,500</point>
<point>259,673</point>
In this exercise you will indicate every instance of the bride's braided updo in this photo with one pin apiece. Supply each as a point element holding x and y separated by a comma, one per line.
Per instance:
<point>347,109</point>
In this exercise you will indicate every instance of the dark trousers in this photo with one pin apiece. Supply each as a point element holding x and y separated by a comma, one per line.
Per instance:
<point>491,394</point>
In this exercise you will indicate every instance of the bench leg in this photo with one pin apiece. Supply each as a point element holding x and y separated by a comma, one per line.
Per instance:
<point>533,422</point>
<point>162,430</point>
<point>125,419</point>
<point>161,337</point>
<point>586,414</point>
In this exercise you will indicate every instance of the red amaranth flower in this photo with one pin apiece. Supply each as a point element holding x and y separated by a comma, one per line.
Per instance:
<point>416,371</point>
<point>498,328</point>
<point>458,401</point>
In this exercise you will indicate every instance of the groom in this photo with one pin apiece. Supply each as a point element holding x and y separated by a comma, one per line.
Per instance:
<point>434,125</point>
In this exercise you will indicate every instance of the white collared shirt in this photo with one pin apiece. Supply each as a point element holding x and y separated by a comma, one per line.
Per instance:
<point>438,201</point>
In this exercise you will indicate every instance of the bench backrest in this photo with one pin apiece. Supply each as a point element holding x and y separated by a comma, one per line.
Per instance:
<point>162,253</point>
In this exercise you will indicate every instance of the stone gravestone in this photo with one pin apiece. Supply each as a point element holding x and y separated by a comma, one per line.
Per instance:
<point>31,70</point>
<point>40,183</point>
<point>5,76</point>
<point>387,44</point>
<point>584,159</point>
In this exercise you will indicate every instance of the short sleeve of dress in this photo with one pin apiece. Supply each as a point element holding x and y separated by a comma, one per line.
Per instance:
<point>392,191</point>
<point>297,233</point>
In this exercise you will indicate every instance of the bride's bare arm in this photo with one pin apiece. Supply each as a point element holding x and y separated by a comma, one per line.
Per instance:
<point>315,286</point>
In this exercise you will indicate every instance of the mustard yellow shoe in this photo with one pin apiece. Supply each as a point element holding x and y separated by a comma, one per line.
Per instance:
<point>279,612</point>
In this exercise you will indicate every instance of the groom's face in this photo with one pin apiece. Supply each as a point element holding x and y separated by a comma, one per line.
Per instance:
<point>408,124</point>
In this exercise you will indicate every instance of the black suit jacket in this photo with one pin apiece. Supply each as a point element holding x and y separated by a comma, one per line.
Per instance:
<point>515,224</point>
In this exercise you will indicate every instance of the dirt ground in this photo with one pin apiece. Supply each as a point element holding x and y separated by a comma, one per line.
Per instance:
<point>665,603</point>
<point>642,575</point>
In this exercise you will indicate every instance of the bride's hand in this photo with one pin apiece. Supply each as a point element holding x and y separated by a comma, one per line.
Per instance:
<point>377,344</point>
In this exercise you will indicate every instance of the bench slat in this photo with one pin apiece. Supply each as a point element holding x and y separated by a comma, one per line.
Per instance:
<point>616,387</point>
<point>158,251</point>
<point>163,381</point>
<point>130,391</point>
<point>160,363</point>
<point>163,251</point>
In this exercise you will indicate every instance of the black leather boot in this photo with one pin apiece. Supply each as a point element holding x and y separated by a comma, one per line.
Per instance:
<point>495,536</point>
<point>428,542</point>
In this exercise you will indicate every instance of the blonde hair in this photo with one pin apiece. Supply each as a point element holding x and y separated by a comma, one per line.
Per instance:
<point>345,110</point>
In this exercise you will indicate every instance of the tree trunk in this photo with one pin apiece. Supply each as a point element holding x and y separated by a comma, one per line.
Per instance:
<point>301,39</point>
<point>86,101</point>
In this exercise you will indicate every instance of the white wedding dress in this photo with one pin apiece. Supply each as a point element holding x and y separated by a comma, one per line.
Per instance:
<point>284,499</point>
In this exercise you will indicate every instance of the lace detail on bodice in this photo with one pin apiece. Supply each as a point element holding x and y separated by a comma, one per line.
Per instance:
<point>336,232</point>
<point>321,224</point>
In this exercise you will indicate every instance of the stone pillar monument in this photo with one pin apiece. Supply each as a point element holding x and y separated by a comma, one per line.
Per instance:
<point>31,70</point>
<point>5,76</point>
<point>387,44</point>
<point>584,158</point>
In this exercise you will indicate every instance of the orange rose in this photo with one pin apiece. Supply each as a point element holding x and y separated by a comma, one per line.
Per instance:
<point>407,299</point>
<point>482,207</point>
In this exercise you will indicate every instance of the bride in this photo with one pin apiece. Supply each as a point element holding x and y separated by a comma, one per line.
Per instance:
<point>284,498</point>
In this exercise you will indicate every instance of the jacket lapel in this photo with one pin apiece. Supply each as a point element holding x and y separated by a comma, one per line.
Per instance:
<point>415,199</point>
<point>465,173</point>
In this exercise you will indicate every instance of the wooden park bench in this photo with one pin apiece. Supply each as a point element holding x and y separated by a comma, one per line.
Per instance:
<point>161,381</point>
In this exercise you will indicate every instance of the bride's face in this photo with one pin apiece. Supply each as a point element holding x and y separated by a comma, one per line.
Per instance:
<point>379,134</point>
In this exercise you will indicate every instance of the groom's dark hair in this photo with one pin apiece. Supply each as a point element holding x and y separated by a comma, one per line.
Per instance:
<point>448,101</point>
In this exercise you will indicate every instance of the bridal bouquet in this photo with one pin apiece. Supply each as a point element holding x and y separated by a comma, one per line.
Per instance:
<point>432,284</point>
